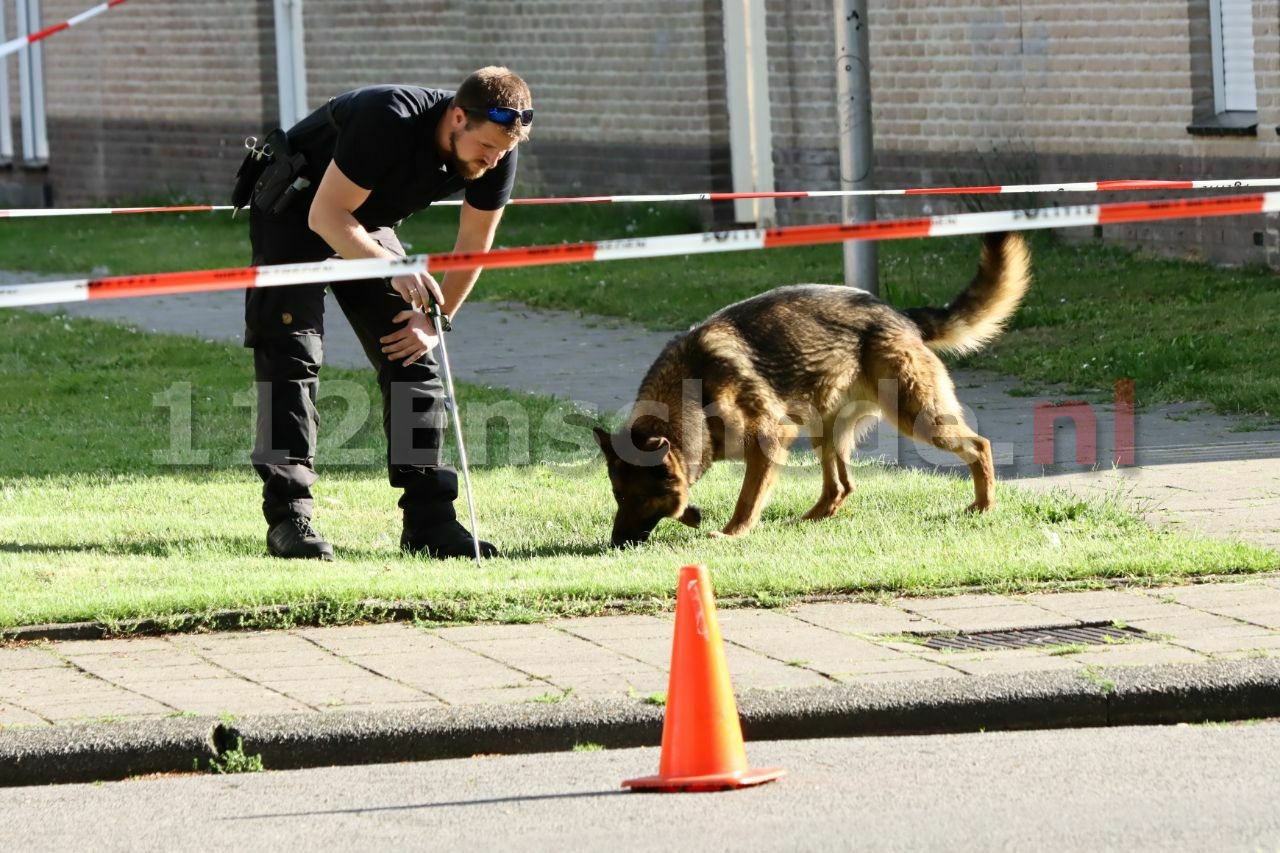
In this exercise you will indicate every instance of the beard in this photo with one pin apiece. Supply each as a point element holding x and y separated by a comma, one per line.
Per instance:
<point>470,170</point>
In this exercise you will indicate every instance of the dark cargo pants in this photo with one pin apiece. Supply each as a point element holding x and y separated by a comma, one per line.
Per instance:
<point>285,328</point>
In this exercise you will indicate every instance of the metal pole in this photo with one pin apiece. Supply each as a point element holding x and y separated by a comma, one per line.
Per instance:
<point>441,322</point>
<point>6,119</point>
<point>291,63</point>
<point>853,91</point>
<point>747,89</point>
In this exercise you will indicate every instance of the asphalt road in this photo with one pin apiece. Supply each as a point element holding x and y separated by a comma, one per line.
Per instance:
<point>1156,788</point>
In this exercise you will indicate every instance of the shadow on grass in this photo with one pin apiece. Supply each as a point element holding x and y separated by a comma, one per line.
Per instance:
<point>553,550</point>
<point>252,547</point>
<point>220,545</point>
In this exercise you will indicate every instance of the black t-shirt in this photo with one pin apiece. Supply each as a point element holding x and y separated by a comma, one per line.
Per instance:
<point>385,142</point>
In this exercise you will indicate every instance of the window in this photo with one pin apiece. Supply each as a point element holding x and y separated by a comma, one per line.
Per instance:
<point>1231,23</point>
<point>1226,98</point>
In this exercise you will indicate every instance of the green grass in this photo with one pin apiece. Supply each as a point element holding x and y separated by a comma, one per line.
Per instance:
<point>111,510</point>
<point>125,491</point>
<point>98,547</point>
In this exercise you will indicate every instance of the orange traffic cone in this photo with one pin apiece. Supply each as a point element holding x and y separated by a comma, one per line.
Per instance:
<point>702,746</point>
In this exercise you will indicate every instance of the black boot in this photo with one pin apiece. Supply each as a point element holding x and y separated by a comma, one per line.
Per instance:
<point>294,538</point>
<point>443,540</point>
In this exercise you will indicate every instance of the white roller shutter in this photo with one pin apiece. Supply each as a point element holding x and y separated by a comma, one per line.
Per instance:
<point>1233,76</point>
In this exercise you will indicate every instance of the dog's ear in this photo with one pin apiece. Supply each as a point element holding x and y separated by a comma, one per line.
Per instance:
<point>691,516</point>
<point>605,440</point>
<point>659,444</point>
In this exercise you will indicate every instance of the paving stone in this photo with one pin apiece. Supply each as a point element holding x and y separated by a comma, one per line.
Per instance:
<point>66,680</point>
<point>601,629</point>
<point>1014,662</point>
<point>1101,605</point>
<point>792,640</point>
<point>446,665</point>
<point>334,671</point>
<point>155,656</point>
<point>249,664</point>
<point>1224,644</point>
<point>61,709</point>
<point>499,695</point>
<point>11,715</point>
<point>212,698</point>
<point>554,653</point>
<point>997,615</point>
<point>357,645</point>
<point>319,693</point>
<point>1138,654</point>
<point>379,707</point>
<point>896,675</point>
<point>389,632</point>
<point>903,665</point>
<point>20,658</point>
<point>1223,597</point>
<point>486,633</point>
<point>1187,624</point>
<point>1250,654</point>
<point>859,618</point>
<point>654,652</point>
<point>132,678</point>
<point>620,686</point>
<point>257,642</point>
<point>749,669</point>
<point>134,645</point>
<point>1266,617</point>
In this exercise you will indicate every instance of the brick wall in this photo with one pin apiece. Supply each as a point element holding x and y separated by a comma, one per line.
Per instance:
<point>987,92</point>
<point>629,97</point>
<point>156,97</point>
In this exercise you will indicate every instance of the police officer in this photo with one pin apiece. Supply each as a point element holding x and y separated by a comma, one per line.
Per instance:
<point>369,158</point>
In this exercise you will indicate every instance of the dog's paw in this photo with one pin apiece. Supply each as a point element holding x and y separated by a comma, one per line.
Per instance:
<point>977,507</point>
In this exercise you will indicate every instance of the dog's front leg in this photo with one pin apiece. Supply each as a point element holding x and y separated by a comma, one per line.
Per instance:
<point>762,472</point>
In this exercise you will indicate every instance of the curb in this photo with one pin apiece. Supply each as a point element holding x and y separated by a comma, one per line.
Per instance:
<point>1117,696</point>
<point>104,751</point>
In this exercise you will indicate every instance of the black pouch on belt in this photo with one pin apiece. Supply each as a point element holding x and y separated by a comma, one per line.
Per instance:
<point>247,175</point>
<point>281,182</point>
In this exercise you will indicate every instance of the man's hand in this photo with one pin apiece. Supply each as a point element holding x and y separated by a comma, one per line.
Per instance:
<point>418,289</point>
<point>416,339</point>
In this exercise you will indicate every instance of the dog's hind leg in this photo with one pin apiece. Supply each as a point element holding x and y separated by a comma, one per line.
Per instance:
<point>926,410</point>
<point>835,475</point>
<point>762,473</point>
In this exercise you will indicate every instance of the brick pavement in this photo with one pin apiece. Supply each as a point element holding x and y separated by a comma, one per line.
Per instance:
<point>401,666</point>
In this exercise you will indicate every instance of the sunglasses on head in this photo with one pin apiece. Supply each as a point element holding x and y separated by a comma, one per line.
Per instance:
<point>503,115</point>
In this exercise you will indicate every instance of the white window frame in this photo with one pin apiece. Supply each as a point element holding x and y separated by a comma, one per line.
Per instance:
<point>1234,75</point>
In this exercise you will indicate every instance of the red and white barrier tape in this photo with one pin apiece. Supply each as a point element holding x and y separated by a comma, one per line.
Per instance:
<point>17,44</point>
<point>80,290</point>
<point>1086,186</point>
<point>87,211</point>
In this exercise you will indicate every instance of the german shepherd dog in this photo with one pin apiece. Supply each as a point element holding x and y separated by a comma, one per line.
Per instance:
<point>821,359</point>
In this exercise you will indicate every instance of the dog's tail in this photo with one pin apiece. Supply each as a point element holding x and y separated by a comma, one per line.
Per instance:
<point>978,314</point>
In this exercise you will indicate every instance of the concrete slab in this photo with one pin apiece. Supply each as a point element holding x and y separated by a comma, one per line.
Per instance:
<point>859,618</point>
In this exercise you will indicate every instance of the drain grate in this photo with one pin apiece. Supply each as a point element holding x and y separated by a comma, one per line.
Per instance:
<point>1025,638</point>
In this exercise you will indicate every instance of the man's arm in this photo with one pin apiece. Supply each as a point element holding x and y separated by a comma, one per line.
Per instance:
<point>332,217</point>
<point>476,230</point>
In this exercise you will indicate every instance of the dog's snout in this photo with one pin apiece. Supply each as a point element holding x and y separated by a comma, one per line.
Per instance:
<point>622,540</point>
<point>632,534</point>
